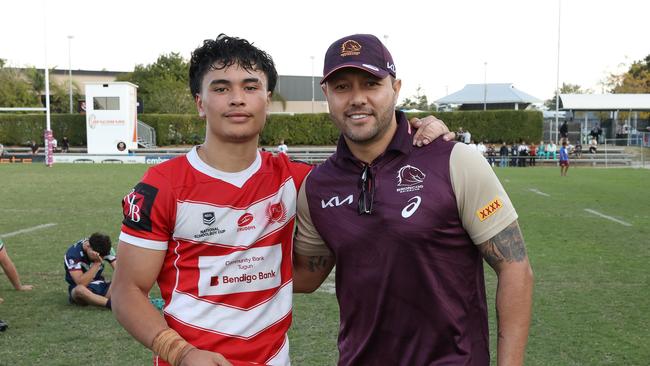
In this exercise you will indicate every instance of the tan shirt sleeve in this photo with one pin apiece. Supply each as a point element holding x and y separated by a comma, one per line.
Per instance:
<point>483,205</point>
<point>308,241</point>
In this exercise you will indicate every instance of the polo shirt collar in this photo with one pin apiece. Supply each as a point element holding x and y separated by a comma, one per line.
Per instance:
<point>401,141</point>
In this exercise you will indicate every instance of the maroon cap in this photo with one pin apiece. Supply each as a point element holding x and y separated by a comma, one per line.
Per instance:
<point>361,51</point>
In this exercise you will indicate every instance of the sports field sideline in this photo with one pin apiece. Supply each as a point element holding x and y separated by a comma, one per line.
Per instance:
<point>588,238</point>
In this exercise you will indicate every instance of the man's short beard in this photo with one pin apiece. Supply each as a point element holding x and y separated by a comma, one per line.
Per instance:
<point>379,129</point>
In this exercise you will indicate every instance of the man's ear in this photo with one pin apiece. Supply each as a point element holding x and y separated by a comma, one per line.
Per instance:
<point>324,88</point>
<point>199,105</point>
<point>397,86</point>
<point>269,102</point>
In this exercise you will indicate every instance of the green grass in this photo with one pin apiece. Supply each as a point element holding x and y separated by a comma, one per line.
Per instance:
<point>592,288</point>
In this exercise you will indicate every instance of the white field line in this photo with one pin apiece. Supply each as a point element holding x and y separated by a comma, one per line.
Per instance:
<point>29,229</point>
<point>535,190</point>
<point>607,217</point>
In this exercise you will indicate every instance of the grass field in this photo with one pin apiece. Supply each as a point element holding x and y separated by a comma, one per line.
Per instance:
<point>592,294</point>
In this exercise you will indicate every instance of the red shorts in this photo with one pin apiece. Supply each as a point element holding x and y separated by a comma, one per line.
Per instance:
<point>564,163</point>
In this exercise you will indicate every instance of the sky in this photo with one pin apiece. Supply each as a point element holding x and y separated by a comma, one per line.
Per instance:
<point>438,46</point>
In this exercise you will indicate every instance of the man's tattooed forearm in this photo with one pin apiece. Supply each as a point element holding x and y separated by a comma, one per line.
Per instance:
<point>507,246</point>
<point>317,263</point>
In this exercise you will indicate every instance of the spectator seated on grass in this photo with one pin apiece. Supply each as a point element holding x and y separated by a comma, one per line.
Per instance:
<point>83,264</point>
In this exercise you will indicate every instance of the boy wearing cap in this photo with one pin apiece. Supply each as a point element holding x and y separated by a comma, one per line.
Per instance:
<point>407,229</point>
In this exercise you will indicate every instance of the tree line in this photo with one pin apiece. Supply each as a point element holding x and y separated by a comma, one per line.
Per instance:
<point>163,87</point>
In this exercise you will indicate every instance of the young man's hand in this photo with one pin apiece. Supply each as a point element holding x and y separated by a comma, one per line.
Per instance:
<point>25,288</point>
<point>206,358</point>
<point>95,257</point>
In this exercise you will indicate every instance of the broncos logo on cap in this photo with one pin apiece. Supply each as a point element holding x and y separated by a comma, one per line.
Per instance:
<point>409,176</point>
<point>350,48</point>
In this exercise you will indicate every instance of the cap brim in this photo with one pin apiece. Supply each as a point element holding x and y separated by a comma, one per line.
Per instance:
<point>357,65</point>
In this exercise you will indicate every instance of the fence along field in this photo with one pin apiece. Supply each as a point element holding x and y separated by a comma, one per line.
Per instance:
<point>591,270</point>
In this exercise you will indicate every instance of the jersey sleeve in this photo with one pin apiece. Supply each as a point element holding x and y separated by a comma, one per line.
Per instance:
<point>110,257</point>
<point>308,241</point>
<point>72,260</point>
<point>149,211</point>
<point>483,205</point>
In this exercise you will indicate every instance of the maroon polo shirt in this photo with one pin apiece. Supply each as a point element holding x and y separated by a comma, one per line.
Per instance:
<point>409,280</point>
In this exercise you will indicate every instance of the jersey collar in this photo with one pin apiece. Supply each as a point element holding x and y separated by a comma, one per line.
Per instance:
<point>237,179</point>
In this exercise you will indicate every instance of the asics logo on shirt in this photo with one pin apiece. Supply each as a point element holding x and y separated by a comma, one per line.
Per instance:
<point>335,202</point>
<point>410,209</point>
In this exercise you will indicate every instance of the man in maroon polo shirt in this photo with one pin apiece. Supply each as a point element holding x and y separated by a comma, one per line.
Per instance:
<point>408,229</point>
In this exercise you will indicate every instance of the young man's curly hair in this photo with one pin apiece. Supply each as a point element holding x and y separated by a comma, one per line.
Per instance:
<point>227,51</point>
<point>100,243</point>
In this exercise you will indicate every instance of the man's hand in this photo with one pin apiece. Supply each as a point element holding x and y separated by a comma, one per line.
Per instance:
<point>95,257</point>
<point>25,288</point>
<point>429,129</point>
<point>197,357</point>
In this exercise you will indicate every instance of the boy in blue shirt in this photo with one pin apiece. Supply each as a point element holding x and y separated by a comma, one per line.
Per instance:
<point>564,159</point>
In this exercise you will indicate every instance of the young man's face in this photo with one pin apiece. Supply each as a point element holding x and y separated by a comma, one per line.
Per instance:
<point>91,253</point>
<point>234,103</point>
<point>361,105</point>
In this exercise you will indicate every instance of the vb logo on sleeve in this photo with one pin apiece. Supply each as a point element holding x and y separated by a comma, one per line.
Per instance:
<point>137,206</point>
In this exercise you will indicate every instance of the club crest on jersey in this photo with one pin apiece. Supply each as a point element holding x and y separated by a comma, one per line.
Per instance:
<point>244,222</point>
<point>209,218</point>
<point>136,206</point>
<point>276,212</point>
<point>409,179</point>
<point>489,209</point>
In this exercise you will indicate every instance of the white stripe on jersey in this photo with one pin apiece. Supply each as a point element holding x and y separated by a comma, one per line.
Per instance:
<point>143,243</point>
<point>282,357</point>
<point>226,320</point>
<point>220,226</point>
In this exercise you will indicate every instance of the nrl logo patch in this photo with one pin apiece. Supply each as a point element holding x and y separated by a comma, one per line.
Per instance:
<point>209,218</point>
<point>489,209</point>
<point>410,179</point>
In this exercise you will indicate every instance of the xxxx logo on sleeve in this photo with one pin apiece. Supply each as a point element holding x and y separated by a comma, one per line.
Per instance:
<point>489,209</point>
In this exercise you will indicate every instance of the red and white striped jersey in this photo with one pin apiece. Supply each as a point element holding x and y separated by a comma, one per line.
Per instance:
<point>226,279</point>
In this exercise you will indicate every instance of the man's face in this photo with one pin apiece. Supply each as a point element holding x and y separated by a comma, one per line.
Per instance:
<point>234,103</point>
<point>361,105</point>
<point>91,253</point>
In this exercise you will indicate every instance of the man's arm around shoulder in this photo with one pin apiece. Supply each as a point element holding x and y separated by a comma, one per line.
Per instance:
<point>506,254</point>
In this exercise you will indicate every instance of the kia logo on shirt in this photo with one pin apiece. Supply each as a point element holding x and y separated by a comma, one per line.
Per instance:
<point>336,202</point>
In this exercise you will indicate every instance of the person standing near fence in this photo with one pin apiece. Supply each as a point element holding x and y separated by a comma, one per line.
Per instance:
<point>503,153</point>
<point>564,159</point>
